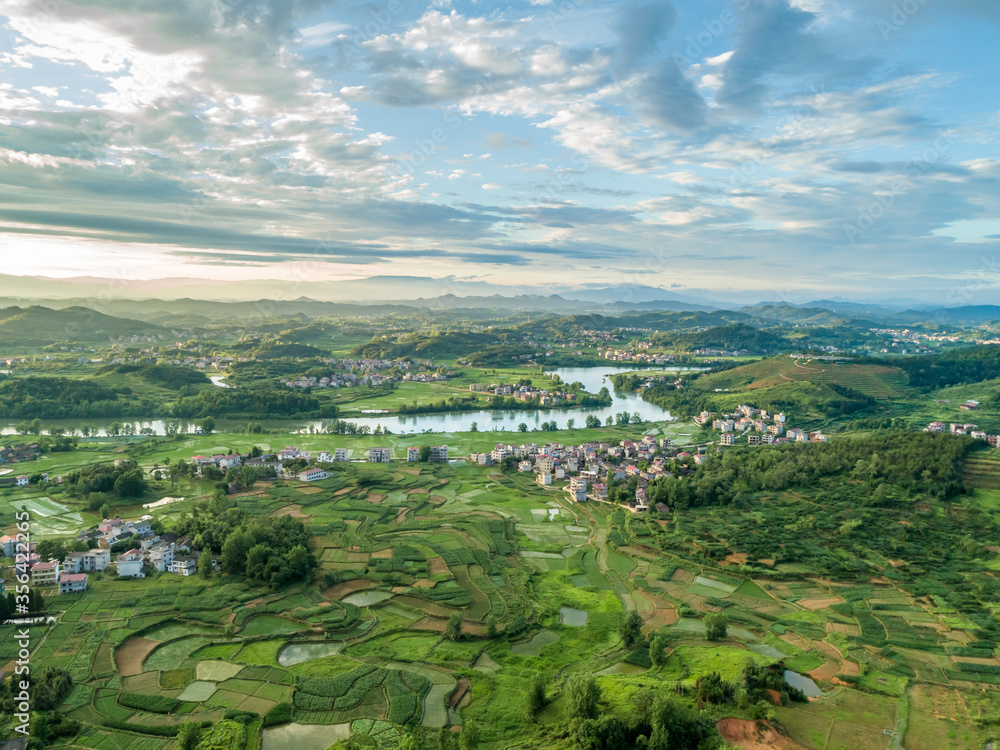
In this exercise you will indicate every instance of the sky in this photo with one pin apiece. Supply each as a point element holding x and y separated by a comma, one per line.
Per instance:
<point>778,149</point>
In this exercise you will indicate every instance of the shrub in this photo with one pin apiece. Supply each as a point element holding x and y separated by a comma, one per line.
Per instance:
<point>157,704</point>
<point>280,714</point>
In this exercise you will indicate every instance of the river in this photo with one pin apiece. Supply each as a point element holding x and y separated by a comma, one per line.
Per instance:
<point>592,378</point>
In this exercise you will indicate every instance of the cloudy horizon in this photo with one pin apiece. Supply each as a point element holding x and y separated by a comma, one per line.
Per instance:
<point>842,147</point>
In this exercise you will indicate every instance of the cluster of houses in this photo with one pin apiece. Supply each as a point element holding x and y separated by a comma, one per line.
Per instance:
<point>14,454</point>
<point>377,455</point>
<point>524,393</point>
<point>760,426</point>
<point>957,428</point>
<point>590,467</point>
<point>341,380</point>
<point>350,373</point>
<point>162,553</point>
<point>627,355</point>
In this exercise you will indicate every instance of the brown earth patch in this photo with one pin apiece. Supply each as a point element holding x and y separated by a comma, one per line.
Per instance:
<point>753,735</point>
<point>424,583</point>
<point>418,491</point>
<point>897,563</point>
<point>456,697</point>
<point>826,671</point>
<point>974,660</point>
<point>737,557</point>
<point>414,472</point>
<point>382,554</point>
<point>842,627</point>
<point>767,561</point>
<point>344,491</point>
<point>436,566</point>
<point>309,490</point>
<point>797,641</point>
<point>375,498</point>
<point>814,604</point>
<point>401,515</point>
<point>437,499</point>
<point>295,511</point>
<point>132,654</point>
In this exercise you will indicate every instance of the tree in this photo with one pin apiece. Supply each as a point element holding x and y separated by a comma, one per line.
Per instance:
<point>536,696</point>
<point>570,424</point>
<point>474,427</point>
<point>593,421</point>
<point>522,427</point>
<point>188,735</point>
<point>234,551</point>
<point>207,425</point>
<point>424,454</point>
<point>630,628</point>
<point>657,651</point>
<point>205,564</point>
<point>105,511</point>
<point>131,484</point>
<point>491,627</point>
<point>610,421</point>
<point>49,549</point>
<point>582,696</point>
<point>716,627</point>
<point>453,630</point>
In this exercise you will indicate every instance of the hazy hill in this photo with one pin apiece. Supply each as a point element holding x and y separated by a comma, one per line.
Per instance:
<point>40,326</point>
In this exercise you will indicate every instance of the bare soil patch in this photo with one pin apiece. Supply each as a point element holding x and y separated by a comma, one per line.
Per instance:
<point>814,604</point>
<point>132,654</point>
<point>753,735</point>
<point>340,590</point>
<point>295,511</point>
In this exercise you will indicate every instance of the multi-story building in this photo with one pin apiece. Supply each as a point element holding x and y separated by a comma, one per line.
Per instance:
<point>379,455</point>
<point>72,583</point>
<point>45,573</point>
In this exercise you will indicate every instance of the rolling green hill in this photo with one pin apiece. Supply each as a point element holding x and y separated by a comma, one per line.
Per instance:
<point>41,326</point>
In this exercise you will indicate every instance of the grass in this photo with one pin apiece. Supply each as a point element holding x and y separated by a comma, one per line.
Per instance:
<point>846,721</point>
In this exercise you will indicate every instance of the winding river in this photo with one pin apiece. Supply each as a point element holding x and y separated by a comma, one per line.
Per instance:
<point>592,378</point>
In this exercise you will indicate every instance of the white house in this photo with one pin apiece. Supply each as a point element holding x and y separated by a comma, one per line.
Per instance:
<point>72,583</point>
<point>544,480</point>
<point>412,454</point>
<point>184,566</point>
<point>130,564</point>
<point>23,481</point>
<point>312,475</point>
<point>439,454</point>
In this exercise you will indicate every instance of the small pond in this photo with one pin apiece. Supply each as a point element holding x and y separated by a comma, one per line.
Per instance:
<point>367,598</point>
<point>305,736</point>
<point>765,650</point>
<point>296,653</point>
<point>575,618</point>
<point>803,683</point>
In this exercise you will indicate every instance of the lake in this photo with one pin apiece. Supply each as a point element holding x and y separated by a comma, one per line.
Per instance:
<point>592,378</point>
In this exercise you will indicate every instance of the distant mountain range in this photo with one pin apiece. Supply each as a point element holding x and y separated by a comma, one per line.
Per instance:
<point>191,303</point>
